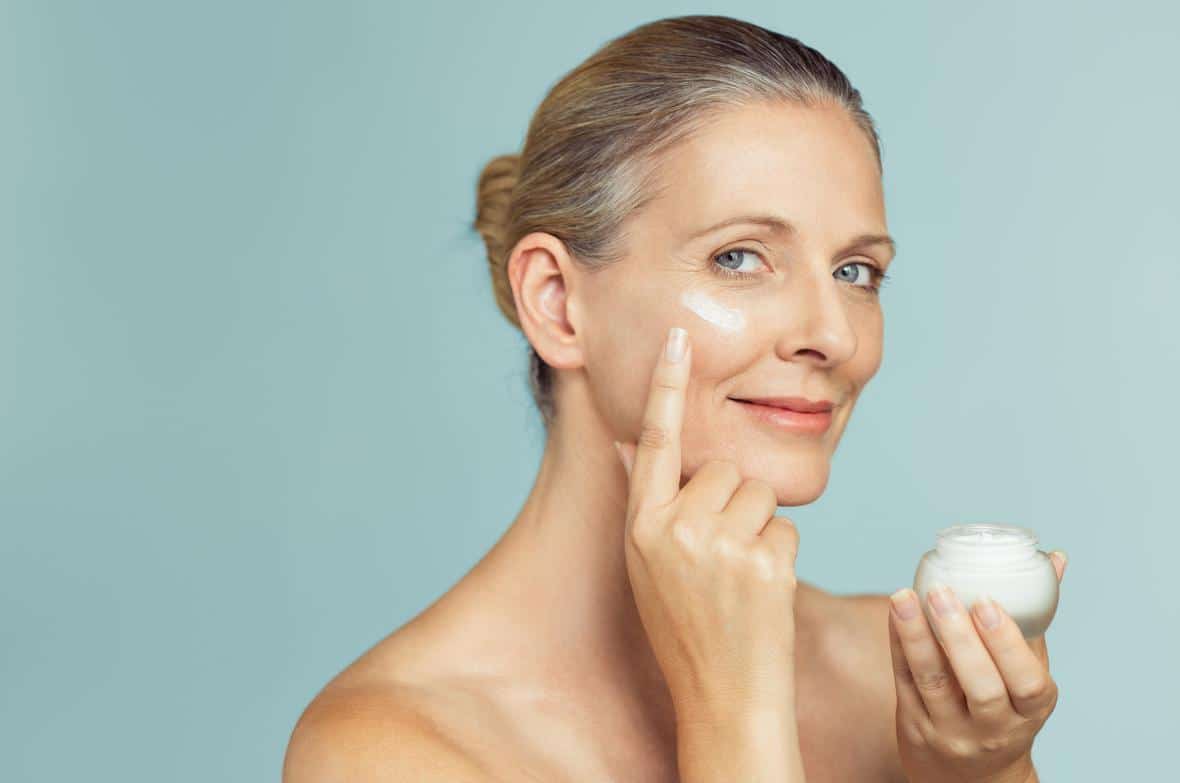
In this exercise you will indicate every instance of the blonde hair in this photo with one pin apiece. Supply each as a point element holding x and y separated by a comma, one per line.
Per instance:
<point>592,148</point>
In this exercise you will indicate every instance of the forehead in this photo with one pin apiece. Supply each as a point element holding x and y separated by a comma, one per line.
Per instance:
<point>812,165</point>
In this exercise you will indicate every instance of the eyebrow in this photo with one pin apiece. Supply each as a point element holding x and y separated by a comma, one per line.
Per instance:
<point>784,227</point>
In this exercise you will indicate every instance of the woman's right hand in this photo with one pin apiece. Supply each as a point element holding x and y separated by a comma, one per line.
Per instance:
<point>712,569</point>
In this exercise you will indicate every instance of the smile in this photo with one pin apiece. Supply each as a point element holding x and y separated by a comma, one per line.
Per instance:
<point>815,423</point>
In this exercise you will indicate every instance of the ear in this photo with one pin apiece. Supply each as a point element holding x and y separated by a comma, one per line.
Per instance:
<point>541,273</point>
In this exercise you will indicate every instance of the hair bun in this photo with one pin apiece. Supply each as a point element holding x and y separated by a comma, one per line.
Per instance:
<point>493,198</point>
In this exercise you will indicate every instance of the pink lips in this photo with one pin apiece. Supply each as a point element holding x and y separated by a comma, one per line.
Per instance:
<point>801,404</point>
<point>812,417</point>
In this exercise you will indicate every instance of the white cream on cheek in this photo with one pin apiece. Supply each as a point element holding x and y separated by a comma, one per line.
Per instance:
<point>724,318</point>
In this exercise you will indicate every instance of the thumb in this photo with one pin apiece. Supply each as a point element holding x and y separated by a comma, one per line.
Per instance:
<point>1059,559</point>
<point>626,455</point>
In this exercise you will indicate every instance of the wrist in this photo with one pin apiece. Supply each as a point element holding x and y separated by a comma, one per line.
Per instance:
<point>1020,772</point>
<point>717,710</point>
<point>751,743</point>
<point>774,717</point>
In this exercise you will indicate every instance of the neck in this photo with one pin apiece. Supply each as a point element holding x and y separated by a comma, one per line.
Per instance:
<point>567,624</point>
<point>559,578</point>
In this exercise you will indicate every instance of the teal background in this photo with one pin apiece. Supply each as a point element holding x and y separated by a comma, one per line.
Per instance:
<point>258,407</point>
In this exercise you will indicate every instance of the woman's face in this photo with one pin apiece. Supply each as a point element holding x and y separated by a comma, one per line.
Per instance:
<point>770,311</point>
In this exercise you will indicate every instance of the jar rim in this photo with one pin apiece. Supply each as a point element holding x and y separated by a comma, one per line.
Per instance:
<point>1023,534</point>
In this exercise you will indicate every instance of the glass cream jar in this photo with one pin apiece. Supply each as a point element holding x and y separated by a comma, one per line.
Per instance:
<point>997,560</point>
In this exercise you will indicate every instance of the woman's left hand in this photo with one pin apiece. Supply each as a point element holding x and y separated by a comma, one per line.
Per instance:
<point>970,698</point>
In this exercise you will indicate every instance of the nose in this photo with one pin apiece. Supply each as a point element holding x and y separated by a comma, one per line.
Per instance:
<point>816,323</point>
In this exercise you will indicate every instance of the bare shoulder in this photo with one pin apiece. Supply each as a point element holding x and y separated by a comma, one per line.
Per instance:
<point>858,645</point>
<point>869,626</point>
<point>876,675</point>
<point>855,629</point>
<point>850,636</point>
<point>374,733</point>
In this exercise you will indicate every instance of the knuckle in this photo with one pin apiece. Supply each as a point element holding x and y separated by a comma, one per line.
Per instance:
<point>958,748</point>
<point>684,534</point>
<point>996,743</point>
<point>766,566</point>
<point>643,540</point>
<point>1049,705</point>
<point>775,566</point>
<point>933,682</point>
<point>730,550</point>
<point>991,701</point>
<point>638,536</point>
<point>1033,690</point>
<point>786,532</point>
<point>787,525</point>
<point>914,735</point>
<point>653,436</point>
<point>663,383</point>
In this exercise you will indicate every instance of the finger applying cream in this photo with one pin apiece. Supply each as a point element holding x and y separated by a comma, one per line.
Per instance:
<point>704,306</point>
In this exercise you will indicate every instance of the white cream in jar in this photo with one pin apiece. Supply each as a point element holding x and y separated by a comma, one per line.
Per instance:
<point>1002,561</point>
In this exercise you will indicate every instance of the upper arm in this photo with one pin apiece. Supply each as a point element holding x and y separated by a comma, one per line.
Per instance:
<point>369,739</point>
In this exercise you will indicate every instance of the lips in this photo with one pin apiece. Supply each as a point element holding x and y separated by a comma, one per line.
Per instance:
<point>800,404</point>
<point>773,412</point>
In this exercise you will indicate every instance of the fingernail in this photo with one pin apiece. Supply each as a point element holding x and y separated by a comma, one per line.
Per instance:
<point>1064,558</point>
<point>940,599</point>
<point>985,610</point>
<point>904,604</point>
<point>676,340</point>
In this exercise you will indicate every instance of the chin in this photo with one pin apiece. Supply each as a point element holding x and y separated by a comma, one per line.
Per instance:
<point>799,493</point>
<point>798,477</point>
<point>797,483</point>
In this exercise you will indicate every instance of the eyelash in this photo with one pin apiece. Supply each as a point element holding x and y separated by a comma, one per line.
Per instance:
<point>879,275</point>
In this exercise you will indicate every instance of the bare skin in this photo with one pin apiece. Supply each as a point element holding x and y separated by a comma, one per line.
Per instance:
<point>535,665</point>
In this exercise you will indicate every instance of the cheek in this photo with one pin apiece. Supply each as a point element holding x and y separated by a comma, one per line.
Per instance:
<point>621,353</point>
<point>725,320</point>
<point>722,333</point>
<point>870,331</point>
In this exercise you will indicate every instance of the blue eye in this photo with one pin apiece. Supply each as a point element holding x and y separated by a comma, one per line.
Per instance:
<point>875,277</point>
<point>733,271</point>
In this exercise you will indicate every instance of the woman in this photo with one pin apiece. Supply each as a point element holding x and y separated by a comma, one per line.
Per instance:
<point>709,184</point>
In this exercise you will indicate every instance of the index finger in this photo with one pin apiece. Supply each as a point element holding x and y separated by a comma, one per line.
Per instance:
<point>655,475</point>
